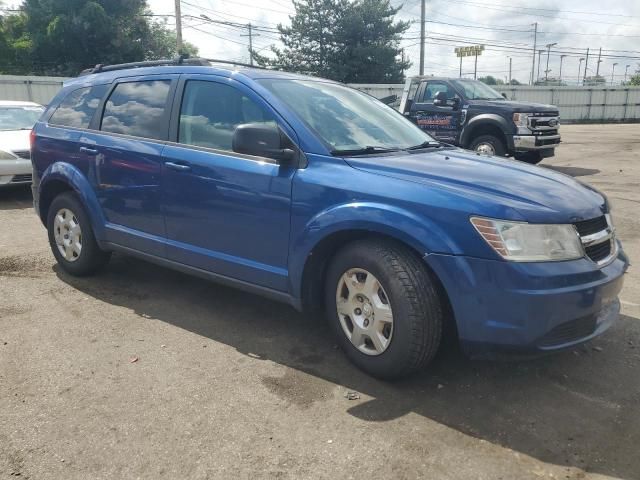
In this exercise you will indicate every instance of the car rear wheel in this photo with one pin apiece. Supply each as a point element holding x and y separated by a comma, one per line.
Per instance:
<point>384,308</point>
<point>488,145</point>
<point>71,237</point>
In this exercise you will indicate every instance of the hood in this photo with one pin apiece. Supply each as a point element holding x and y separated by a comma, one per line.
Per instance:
<point>493,186</point>
<point>513,106</point>
<point>14,140</point>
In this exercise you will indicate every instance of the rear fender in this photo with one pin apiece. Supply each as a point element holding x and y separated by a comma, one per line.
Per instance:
<point>75,179</point>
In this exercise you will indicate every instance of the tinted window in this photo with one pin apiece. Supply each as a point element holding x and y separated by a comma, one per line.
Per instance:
<point>77,109</point>
<point>137,108</point>
<point>435,87</point>
<point>211,112</point>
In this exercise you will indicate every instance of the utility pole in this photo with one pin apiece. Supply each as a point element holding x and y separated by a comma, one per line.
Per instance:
<point>625,73</point>
<point>535,39</point>
<point>560,74</point>
<point>510,59</point>
<point>422,34</point>
<point>178,28</point>
<point>586,63</point>
<point>250,35</point>
<point>539,56</point>
<point>599,61</point>
<point>460,75</point>
<point>613,70</point>
<point>546,72</point>
<point>579,66</point>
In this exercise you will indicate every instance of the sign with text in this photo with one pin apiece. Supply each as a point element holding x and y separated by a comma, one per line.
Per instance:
<point>470,51</point>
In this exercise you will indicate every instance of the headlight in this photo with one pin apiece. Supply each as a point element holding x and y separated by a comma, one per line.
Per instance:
<point>7,156</point>
<point>526,242</point>
<point>521,119</point>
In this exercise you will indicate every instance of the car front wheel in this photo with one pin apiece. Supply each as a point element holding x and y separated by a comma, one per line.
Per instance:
<point>384,308</point>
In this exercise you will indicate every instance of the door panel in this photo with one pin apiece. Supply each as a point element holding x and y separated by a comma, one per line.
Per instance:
<point>441,122</point>
<point>224,212</point>
<point>125,158</point>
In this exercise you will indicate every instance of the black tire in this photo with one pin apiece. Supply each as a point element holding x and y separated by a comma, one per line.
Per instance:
<point>532,158</point>
<point>91,257</point>
<point>413,296</point>
<point>498,145</point>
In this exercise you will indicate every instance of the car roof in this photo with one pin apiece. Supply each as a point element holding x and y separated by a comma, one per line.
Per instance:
<point>225,71</point>
<point>17,103</point>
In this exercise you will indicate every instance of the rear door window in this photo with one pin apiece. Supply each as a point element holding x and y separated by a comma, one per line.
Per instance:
<point>138,109</point>
<point>78,107</point>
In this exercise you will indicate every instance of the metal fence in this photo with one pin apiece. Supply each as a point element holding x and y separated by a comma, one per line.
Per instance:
<point>576,104</point>
<point>30,89</point>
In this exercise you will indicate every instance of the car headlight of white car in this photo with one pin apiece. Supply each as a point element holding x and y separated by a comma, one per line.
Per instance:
<point>527,242</point>
<point>7,155</point>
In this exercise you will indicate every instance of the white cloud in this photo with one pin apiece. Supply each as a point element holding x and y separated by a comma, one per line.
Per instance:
<point>558,22</point>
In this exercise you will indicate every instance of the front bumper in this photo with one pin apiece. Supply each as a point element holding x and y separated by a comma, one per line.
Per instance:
<point>534,143</point>
<point>15,171</point>
<point>529,307</point>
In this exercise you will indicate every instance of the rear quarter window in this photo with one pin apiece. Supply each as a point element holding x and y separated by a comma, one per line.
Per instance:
<point>78,107</point>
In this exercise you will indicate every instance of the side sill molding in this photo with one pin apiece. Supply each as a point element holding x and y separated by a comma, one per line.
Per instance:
<point>214,277</point>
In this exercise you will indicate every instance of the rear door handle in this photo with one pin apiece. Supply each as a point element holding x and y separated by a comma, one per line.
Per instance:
<point>89,151</point>
<point>178,167</point>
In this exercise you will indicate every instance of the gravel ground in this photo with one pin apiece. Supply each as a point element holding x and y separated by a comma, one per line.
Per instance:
<point>141,372</point>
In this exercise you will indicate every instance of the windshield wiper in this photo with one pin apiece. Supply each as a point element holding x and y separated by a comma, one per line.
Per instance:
<point>426,144</point>
<point>364,150</point>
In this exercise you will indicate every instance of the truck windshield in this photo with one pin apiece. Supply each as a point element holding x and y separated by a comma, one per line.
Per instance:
<point>349,121</point>
<point>19,118</point>
<point>476,90</point>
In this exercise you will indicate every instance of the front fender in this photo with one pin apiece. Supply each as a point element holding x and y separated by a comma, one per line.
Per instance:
<point>414,230</point>
<point>77,181</point>
<point>483,119</point>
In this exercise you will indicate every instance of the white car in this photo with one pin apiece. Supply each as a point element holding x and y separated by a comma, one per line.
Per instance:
<point>16,121</point>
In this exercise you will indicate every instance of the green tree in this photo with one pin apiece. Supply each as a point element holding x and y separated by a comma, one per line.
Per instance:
<point>491,80</point>
<point>342,40</point>
<point>61,37</point>
<point>634,80</point>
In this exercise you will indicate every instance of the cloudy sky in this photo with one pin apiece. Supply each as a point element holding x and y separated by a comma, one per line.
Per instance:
<point>505,28</point>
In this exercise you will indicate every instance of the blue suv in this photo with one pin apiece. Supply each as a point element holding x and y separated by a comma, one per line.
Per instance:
<point>318,195</point>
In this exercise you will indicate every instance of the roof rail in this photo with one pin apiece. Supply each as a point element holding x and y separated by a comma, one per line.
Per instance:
<point>180,60</point>
<point>231,62</point>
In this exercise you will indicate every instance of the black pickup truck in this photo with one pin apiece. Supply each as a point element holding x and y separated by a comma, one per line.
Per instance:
<point>472,115</point>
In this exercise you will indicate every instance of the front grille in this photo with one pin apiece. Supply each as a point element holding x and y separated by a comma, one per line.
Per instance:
<point>547,141</point>
<point>589,227</point>
<point>26,154</point>
<point>599,251</point>
<point>569,331</point>
<point>25,177</point>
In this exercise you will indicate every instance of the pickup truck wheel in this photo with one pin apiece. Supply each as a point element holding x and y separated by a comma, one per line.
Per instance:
<point>71,237</point>
<point>488,145</point>
<point>384,308</point>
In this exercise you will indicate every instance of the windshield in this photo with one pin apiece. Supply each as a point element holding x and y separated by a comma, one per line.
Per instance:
<point>19,118</point>
<point>476,90</point>
<point>346,119</point>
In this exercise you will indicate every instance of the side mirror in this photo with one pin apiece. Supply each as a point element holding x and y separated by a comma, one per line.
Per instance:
<point>440,99</point>
<point>261,140</point>
<point>456,103</point>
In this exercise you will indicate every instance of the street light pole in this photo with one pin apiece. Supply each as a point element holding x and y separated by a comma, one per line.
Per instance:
<point>579,66</point>
<point>548,45</point>
<point>510,59</point>
<point>560,74</point>
<point>625,73</point>
<point>613,69</point>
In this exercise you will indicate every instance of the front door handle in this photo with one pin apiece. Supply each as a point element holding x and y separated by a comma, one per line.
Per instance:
<point>89,151</point>
<point>178,167</point>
